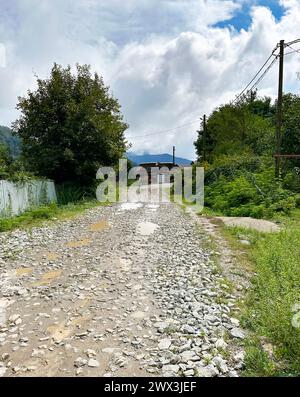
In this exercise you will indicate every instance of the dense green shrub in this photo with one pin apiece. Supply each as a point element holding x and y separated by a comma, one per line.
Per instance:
<point>291,180</point>
<point>236,191</point>
<point>231,166</point>
<point>73,193</point>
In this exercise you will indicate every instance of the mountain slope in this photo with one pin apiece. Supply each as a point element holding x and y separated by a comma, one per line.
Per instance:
<point>151,158</point>
<point>9,140</point>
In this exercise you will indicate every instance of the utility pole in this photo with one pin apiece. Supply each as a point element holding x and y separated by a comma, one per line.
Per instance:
<point>279,110</point>
<point>174,155</point>
<point>204,137</point>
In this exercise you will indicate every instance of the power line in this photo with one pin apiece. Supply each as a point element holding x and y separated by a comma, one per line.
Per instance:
<point>275,59</point>
<point>263,75</point>
<point>253,86</point>
<point>292,48</point>
<point>163,131</point>
<point>256,75</point>
<point>293,42</point>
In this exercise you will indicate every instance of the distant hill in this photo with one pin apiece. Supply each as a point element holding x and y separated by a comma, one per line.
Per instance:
<point>10,140</point>
<point>151,158</point>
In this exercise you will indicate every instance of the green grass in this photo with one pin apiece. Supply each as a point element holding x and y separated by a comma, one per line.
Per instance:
<point>291,221</point>
<point>258,362</point>
<point>268,310</point>
<point>273,262</point>
<point>37,216</point>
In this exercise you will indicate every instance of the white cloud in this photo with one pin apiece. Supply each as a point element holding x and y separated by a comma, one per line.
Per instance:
<point>2,55</point>
<point>163,59</point>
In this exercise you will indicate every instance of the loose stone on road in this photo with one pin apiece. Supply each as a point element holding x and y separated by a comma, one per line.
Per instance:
<point>125,290</point>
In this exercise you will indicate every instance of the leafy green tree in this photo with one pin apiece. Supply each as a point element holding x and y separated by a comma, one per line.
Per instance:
<point>5,158</point>
<point>260,106</point>
<point>291,124</point>
<point>237,128</point>
<point>70,126</point>
<point>199,143</point>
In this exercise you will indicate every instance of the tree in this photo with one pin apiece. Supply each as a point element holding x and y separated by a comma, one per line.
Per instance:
<point>4,155</point>
<point>7,139</point>
<point>291,124</point>
<point>70,126</point>
<point>5,161</point>
<point>199,143</point>
<point>245,127</point>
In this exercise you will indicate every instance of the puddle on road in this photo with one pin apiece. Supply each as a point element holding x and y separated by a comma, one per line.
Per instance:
<point>130,206</point>
<point>79,321</point>
<point>146,228</point>
<point>77,244</point>
<point>52,256</point>
<point>51,275</point>
<point>59,332</point>
<point>152,207</point>
<point>48,277</point>
<point>84,303</point>
<point>99,226</point>
<point>22,271</point>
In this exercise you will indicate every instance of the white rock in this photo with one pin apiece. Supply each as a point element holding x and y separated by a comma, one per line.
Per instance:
<point>170,368</point>
<point>80,362</point>
<point>203,372</point>
<point>2,371</point>
<point>109,350</point>
<point>238,333</point>
<point>212,370</point>
<point>239,356</point>
<point>189,355</point>
<point>164,344</point>
<point>234,321</point>
<point>220,344</point>
<point>189,372</point>
<point>90,353</point>
<point>13,318</point>
<point>187,329</point>
<point>93,363</point>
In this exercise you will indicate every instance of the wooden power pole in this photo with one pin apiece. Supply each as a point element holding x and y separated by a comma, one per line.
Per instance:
<point>204,137</point>
<point>174,155</point>
<point>279,110</point>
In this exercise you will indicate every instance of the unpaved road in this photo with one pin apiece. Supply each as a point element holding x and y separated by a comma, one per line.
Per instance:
<point>126,290</point>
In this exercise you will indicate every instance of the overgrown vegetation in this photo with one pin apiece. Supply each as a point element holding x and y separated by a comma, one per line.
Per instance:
<point>238,147</point>
<point>237,152</point>
<point>246,186</point>
<point>272,309</point>
<point>12,169</point>
<point>70,126</point>
<point>37,216</point>
<point>10,141</point>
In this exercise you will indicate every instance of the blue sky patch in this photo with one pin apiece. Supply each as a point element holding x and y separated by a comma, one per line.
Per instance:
<point>242,18</point>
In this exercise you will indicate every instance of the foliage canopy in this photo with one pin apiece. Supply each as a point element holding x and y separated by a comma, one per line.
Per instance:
<point>70,126</point>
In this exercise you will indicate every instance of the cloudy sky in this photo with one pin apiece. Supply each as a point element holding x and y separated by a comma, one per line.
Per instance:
<point>167,61</point>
